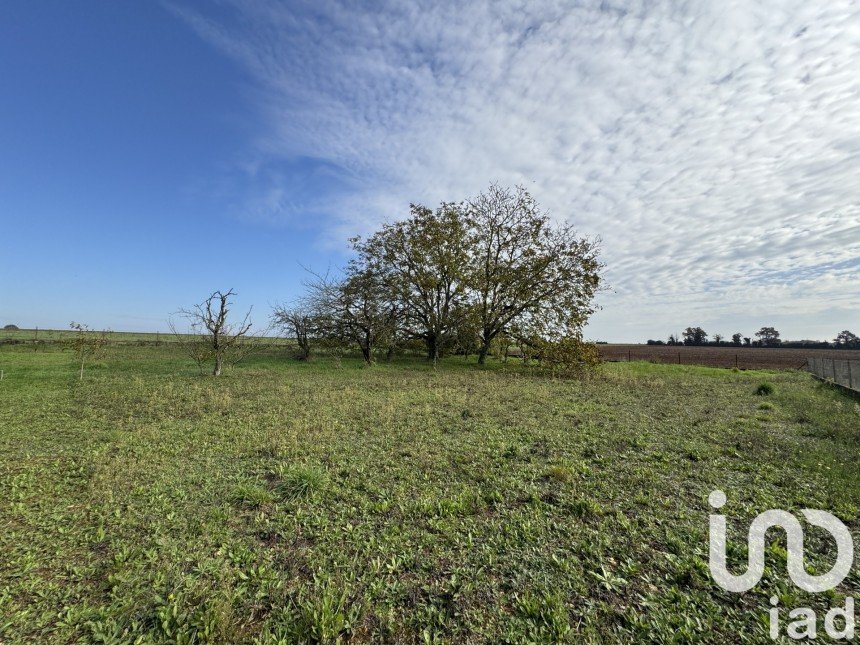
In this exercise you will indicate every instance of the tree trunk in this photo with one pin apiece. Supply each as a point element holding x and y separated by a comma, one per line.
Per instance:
<point>218,363</point>
<point>367,348</point>
<point>389,355</point>
<point>486,339</point>
<point>304,349</point>
<point>432,349</point>
<point>82,370</point>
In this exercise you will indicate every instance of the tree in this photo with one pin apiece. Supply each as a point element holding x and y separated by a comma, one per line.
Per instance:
<point>87,344</point>
<point>673,340</point>
<point>768,336</point>
<point>747,341</point>
<point>355,309</point>
<point>212,336</point>
<point>421,263</point>
<point>10,328</point>
<point>847,340</point>
<point>299,322</point>
<point>718,338</point>
<point>522,269</point>
<point>695,336</point>
<point>568,356</point>
<point>503,343</point>
<point>736,339</point>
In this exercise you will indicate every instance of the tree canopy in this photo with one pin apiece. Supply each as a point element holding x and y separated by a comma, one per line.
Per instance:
<point>463,275</point>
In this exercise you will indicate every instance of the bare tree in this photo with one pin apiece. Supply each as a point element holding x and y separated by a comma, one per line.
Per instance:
<point>356,308</point>
<point>212,336</point>
<point>301,323</point>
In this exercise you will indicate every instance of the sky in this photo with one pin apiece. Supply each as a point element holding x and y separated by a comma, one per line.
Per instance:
<point>151,152</point>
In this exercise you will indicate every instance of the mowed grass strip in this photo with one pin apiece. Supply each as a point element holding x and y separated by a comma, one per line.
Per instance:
<point>302,502</point>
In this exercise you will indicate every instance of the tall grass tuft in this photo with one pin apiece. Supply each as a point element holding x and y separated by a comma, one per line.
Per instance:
<point>765,389</point>
<point>298,480</point>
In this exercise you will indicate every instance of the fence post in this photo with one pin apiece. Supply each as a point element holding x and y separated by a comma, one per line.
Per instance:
<point>851,374</point>
<point>679,358</point>
<point>736,360</point>
<point>833,368</point>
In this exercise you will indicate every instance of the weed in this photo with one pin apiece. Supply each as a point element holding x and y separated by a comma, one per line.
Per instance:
<point>296,481</point>
<point>250,495</point>
<point>765,389</point>
<point>558,474</point>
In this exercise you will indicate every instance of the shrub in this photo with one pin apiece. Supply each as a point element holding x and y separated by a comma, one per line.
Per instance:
<point>568,357</point>
<point>765,389</point>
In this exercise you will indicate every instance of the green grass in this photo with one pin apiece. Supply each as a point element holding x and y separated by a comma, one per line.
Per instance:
<point>293,502</point>
<point>765,389</point>
<point>42,337</point>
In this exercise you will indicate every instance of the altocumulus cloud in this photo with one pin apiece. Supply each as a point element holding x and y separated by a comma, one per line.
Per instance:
<point>712,145</point>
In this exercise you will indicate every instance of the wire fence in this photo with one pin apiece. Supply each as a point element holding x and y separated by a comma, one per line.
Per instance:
<point>745,358</point>
<point>842,372</point>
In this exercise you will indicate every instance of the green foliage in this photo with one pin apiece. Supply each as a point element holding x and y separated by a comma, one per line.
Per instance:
<point>464,274</point>
<point>525,272</point>
<point>765,388</point>
<point>567,357</point>
<point>847,340</point>
<point>547,617</point>
<point>295,481</point>
<point>251,495</point>
<point>768,337</point>
<point>695,336</point>
<point>422,262</point>
<point>326,614</point>
<point>87,345</point>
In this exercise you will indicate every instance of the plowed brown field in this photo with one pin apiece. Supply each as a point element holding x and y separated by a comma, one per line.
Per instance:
<point>740,357</point>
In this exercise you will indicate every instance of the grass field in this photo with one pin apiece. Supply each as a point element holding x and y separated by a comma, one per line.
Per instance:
<point>302,502</point>
<point>42,337</point>
<point>752,358</point>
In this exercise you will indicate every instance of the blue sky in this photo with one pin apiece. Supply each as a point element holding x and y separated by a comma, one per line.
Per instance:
<point>152,152</point>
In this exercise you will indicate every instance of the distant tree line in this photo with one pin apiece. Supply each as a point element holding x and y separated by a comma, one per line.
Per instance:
<point>764,337</point>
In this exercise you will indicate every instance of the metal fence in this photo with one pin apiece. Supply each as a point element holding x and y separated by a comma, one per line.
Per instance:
<point>840,371</point>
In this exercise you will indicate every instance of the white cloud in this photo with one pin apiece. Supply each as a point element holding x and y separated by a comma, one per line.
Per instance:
<point>715,146</point>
